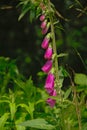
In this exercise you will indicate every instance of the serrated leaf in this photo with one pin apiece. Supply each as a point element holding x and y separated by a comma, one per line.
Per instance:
<point>80,79</point>
<point>38,123</point>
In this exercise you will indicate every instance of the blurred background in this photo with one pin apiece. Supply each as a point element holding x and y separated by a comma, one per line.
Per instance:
<point>21,40</point>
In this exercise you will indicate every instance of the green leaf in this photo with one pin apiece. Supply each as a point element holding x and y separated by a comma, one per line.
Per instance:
<point>12,109</point>
<point>22,118</point>
<point>67,93</point>
<point>29,109</point>
<point>80,79</point>
<point>3,120</point>
<point>6,101</point>
<point>24,106</point>
<point>25,9</point>
<point>38,123</point>
<point>20,83</point>
<point>78,2</point>
<point>62,55</point>
<point>84,126</point>
<point>32,15</point>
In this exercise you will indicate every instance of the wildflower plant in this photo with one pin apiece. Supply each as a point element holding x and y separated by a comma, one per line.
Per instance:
<point>45,11</point>
<point>49,44</point>
<point>51,106</point>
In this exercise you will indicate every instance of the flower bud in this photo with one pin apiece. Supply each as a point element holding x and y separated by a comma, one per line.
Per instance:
<point>51,102</point>
<point>42,17</point>
<point>47,66</point>
<point>43,24</point>
<point>44,31</point>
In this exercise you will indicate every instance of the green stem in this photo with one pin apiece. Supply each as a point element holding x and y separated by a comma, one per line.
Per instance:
<point>56,67</point>
<point>54,49</point>
<point>77,108</point>
<point>76,102</point>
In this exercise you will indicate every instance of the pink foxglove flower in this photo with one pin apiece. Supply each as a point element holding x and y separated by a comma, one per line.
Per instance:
<point>48,53</point>
<point>49,84</point>
<point>44,31</point>
<point>45,43</point>
<point>51,101</point>
<point>53,93</point>
<point>42,17</point>
<point>43,24</point>
<point>47,66</point>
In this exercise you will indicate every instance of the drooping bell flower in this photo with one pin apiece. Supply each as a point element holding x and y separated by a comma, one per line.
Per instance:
<point>49,84</point>
<point>53,93</point>
<point>51,101</point>
<point>44,31</point>
<point>43,24</point>
<point>42,17</point>
<point>48,53</point>
<point>47,66</point>
<point>45,43</point>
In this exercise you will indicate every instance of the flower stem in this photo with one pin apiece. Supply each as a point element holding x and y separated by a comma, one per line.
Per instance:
<point>54,48</point>
<point>77,108</point>
<point>77,104</point>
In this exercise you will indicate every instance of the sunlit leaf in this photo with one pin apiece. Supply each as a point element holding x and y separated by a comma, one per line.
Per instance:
<point>67,93</point>
<point>38,123</point>
<point>3,120</point>
<point>80,79</point>
<point>22,118</point>
<point>12,109</point>
<point>62,55</point>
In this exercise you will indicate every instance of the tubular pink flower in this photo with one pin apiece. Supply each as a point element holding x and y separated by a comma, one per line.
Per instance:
<point>43,24</point>
<point>47,66</point>
<point>48,53</point>
<point>45,43</point>
<point>51,102</point>
<point>53,93</point>
<point>42,17</point>
<point>49,84</point>
<point>45,30</point>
